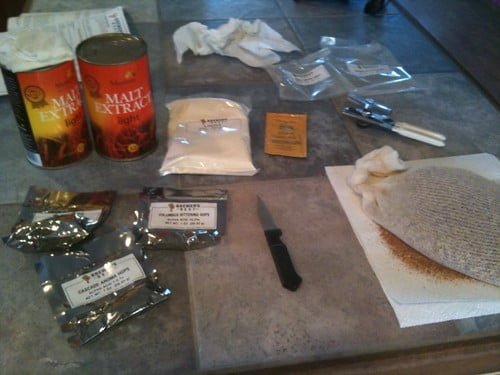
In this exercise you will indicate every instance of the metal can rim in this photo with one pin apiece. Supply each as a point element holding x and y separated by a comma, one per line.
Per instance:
<point>133,55</point>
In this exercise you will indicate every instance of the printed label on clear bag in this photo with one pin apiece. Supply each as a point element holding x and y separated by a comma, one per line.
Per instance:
<point>182,215</point>
<point>93,215</point>
<point>112,277</point>
<point>214,125</point>
<point>367,70</point>
<point>311,77</point>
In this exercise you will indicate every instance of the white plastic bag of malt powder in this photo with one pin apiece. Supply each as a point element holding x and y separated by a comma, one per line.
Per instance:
<point>208,136</point>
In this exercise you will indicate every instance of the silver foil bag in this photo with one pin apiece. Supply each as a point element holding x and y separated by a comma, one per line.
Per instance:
<point>99,285</point>
<point>173,219</point>
<point>55,220</point>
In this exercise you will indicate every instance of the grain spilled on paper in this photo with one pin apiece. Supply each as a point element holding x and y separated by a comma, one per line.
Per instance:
<point>418,262</point>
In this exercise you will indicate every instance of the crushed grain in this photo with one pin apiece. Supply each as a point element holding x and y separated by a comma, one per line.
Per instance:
<point>418,262</point>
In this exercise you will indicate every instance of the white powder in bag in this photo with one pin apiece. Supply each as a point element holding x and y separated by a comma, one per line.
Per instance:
<point>208,136</point>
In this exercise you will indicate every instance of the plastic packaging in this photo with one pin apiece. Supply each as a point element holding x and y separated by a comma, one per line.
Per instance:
<point>371,69</point>
<point>99,285</point>
<point>313,77</point>
<point>55,220</point>
<point>338,68</point>
<point>208,135</point>
<point>172,219</point>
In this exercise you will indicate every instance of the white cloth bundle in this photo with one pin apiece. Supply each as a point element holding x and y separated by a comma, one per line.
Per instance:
<point>450,215</point>
<point>24,50</point>
<point>252,43</point>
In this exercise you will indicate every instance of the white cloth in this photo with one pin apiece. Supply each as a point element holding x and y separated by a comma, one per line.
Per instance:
<point>252,43</point>
<point>29,49</point>
<point>380,162</point>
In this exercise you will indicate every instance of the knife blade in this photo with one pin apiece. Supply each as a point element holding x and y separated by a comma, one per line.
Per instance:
<point>289,278</point>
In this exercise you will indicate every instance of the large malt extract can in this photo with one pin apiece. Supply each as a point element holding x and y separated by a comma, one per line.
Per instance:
<point>117,89</point>
<point>49,114</point>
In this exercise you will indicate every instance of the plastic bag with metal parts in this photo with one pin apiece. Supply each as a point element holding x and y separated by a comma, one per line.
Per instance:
<point>99,285</point>
<point>172,219</point>
<point>55,220</point>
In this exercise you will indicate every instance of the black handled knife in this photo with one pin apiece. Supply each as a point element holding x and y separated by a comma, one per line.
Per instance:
<point>289,278</point>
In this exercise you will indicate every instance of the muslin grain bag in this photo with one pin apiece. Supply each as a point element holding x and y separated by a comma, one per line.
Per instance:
<point>450,215</point>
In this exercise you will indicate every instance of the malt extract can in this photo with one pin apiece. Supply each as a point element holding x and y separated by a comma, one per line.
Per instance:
<point>49,114</point>
<point>117,89</point>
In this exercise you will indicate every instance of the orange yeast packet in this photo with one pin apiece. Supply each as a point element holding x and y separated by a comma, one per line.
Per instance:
<point>286,134</point>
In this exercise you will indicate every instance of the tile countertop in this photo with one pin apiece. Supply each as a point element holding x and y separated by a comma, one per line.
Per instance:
<point>228,311</point>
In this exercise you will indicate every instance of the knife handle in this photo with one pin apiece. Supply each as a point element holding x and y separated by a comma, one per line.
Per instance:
<point>289,278</point>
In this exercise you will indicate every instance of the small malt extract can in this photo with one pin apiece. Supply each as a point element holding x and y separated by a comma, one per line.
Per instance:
<point>117,88</point>
<point>49,114</point>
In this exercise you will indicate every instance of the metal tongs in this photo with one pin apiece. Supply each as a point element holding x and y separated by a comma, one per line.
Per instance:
<point>367,111</point>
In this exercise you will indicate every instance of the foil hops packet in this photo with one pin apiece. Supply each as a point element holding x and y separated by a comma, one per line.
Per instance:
<point>99,285</point>
<point>55,220</point>
<point>173,219</point>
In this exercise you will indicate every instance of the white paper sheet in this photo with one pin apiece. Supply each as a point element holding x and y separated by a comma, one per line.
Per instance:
<point>418,298</point>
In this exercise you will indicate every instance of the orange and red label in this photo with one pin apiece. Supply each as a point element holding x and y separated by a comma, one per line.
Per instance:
<point>54,108</point>
<point>120,107</point>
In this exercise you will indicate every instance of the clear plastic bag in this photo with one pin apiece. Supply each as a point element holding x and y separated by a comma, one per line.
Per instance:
<point>313,77</point>
<point>338,68</point>
<point>208,135</point>
<point>371,69</point>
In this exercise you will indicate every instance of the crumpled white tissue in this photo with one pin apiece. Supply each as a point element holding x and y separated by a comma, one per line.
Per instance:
<point>381,162</point>
<point>252,43</point>
<point>23,50</point>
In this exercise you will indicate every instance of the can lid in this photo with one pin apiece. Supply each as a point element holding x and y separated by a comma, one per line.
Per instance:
<point>111,49</point>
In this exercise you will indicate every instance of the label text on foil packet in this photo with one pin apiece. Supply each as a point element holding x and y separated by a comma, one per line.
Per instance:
<point>103,281</point>
<point>183,215</point>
